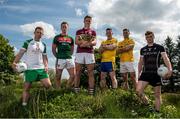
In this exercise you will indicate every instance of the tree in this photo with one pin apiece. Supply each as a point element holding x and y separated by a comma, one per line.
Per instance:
<point>170,49</point>
<point>6,58</point>
<point>6,54</point>
<point>173,51</point>
<point>177,53</point>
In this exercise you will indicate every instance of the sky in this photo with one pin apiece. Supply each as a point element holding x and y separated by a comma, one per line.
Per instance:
<point>18,18</point>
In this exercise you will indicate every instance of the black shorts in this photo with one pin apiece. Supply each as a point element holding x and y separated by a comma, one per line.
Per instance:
<point>153,78</point>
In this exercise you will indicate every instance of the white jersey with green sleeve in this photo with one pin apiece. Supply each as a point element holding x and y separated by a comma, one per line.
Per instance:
<point>34,54</point>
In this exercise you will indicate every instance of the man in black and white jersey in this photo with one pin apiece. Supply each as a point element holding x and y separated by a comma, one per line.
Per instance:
<point>147,69</point>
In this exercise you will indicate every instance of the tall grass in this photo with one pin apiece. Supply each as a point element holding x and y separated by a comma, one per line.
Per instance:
<point>64,103</point>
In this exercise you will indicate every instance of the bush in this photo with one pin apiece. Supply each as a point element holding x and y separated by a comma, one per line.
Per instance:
<point>7,57</point>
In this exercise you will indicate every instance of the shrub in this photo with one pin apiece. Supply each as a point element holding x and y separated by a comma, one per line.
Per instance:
<point>7,56</point>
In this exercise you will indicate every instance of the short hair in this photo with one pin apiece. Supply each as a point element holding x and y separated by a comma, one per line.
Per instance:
<point>125,29</point>
<point>39,27</point>
<point>87,16</point>
<point>148,33</point>
<point>108,29</point>
<point>64,22</point>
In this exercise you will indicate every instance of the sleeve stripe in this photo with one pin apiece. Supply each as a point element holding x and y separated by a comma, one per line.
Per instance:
<point>163,52</point>
<point>23,48</point>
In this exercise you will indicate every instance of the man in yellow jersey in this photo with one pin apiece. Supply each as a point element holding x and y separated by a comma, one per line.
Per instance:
<point>125,51</point>
<point>108,51</point>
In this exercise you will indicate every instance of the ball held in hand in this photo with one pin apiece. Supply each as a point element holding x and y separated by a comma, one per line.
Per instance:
<point>21,67</point>
<point>162,71</point>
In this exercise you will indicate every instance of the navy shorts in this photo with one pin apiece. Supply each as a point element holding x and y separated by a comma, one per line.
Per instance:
<point>107,66</point>
<point>153,78</point>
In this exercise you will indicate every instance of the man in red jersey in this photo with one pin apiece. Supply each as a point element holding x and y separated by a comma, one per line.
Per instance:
<point>63,48</point>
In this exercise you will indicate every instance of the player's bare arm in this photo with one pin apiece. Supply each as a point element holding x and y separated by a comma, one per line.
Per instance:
<point>167,63</point>
<point>72,49</point>
<point>54,46</point>
<point>18,57</point>
<point>78,41</point>
<point>140,66</point>
<point>92,42</point>
<point>101,49</point>
<point>45,61</point>
<point>111,47</point>
<point>125,49</point>
<point>89,43</point>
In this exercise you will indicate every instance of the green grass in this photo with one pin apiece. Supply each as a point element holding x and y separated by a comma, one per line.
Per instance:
<point>65,104</point>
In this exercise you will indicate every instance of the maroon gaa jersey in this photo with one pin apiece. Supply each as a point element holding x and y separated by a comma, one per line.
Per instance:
<point>85,31</point>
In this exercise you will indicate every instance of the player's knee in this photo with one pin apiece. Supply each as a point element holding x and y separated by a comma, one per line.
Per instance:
<point>78,73</point>
<point>139,92</point>
<point>124,76</point>
<point>47,85</point>
<point>102,83</point>
<point>103,76</point>
<point>157,95</point>
<point>132,77</point>
<point>90,72</point>
<point>113,79</point>
<point>72,77</point>
<point>57,76</point>
<point>26,89</point>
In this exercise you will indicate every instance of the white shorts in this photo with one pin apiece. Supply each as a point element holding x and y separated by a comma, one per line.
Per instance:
<point>84,58</point>
<point>65,63</point>
<point>126,67</point>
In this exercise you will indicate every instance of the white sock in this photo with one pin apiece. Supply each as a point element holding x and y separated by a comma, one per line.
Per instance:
<point>24,103</point>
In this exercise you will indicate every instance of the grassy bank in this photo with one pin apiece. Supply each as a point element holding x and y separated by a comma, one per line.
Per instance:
<point>64,103</point>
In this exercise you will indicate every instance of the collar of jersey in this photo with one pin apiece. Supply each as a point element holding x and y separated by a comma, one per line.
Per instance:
<point>110,39</point>
<point>36,41</point>
<point>86,28</point>
<point>126,38</point>
<point>63,35</point>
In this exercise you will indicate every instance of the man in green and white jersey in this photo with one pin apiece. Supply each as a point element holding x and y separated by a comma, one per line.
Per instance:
<point>37,63</point>
<point>62,48</point>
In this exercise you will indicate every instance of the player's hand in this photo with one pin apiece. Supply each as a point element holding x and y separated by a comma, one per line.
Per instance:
<point>14,65</point>
<point>84,44</point>
<point>119,50</point>
<point>101,49</point>
<point>46,69</point>
<point>103,46</point>
<point>110,47</point>
<point>168,75</point>
<point>106,47</point>
<point>139,74</point>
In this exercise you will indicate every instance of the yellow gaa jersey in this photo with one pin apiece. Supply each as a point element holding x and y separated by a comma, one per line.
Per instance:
<point>109,55</point>
<point>126,56</point>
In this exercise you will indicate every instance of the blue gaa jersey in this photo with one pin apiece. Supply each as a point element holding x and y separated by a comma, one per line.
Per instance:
<point>34,54</point>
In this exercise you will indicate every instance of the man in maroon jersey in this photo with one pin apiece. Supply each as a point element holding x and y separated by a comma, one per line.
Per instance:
<point>85,40</point>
